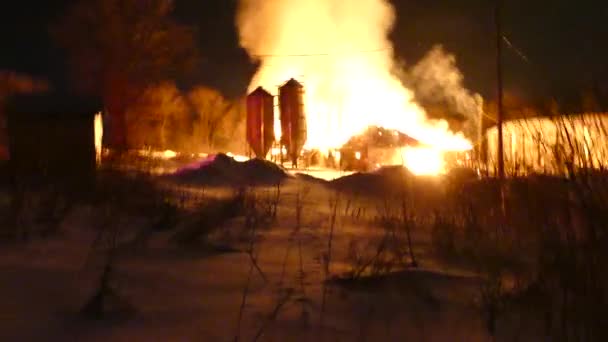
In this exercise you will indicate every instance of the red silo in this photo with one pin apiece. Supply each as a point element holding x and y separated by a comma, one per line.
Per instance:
<point>293,119</point>
<point>260,121</point>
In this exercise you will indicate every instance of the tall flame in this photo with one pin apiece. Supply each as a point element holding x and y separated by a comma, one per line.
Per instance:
<point>98,136</point>
<point>341,53</point>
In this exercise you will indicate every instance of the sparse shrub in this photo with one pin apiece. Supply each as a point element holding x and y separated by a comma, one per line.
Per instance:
<point>37,212</point>
<point>374,257</point>
<point>443,235</point>
<point>212,215</point>
<point>106,301</point>
<point>276,199</point>
<point>544,257</point>
<point>392,250</point>
<point>334,204</point>
<point>491,300</point>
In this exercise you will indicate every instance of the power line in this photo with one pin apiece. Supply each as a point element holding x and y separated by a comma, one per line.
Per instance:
<point>517,51</point>
<point>491,118</point>
<point>326,54</point>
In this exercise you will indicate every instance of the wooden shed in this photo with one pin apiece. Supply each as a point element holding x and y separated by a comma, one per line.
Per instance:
<point>51,139</point>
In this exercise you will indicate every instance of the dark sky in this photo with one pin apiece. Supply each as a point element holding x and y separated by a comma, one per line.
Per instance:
<point>566,42</point>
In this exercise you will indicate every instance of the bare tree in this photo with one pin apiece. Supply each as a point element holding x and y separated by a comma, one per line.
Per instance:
<point>215,116</point>
<point>118,47</point>
<point>159,118</point>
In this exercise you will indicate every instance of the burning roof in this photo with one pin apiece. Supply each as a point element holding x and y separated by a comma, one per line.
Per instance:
<point>380,137</point>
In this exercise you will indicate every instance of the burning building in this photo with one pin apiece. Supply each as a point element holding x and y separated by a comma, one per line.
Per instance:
<point>376,146</point>
<point>551,144</point>
<point>347,63</point>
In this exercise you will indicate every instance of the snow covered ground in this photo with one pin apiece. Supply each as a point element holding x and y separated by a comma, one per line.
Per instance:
<point>197,293</point>
<point>321,173</point>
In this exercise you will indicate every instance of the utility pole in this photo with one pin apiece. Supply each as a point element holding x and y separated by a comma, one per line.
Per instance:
<point>499,111</point>
<point>480,138</point>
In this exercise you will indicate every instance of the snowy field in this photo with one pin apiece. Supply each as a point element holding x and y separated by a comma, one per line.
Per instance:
<point>312,273</point>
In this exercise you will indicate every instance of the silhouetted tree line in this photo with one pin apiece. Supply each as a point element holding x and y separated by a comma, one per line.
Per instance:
<point>200,120</point>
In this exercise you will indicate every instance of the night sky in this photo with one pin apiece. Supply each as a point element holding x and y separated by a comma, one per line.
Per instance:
<point>565,42</point>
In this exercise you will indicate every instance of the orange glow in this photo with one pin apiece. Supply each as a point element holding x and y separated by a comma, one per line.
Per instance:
<point>167,154</point>
<point>423,160</point>
<point>98,136</point>
<point>237,157</point>
<point>346,64</point>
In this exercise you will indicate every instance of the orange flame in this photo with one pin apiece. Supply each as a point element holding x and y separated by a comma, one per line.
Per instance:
<point>348,86</point>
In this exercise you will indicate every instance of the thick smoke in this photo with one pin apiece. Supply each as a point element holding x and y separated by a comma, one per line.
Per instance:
<point>340,51</point>
<point>437,78</point>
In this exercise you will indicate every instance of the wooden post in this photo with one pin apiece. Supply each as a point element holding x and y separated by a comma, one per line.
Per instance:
<point>499,115</point>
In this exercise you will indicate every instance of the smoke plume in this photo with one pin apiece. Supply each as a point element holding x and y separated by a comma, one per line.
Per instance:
<point>437,78</point>
<point>340,51</point>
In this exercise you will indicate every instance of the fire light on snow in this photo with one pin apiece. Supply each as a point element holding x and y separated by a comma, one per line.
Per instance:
<point>166,154</point>
<point>237,157</point>
<point>340,51</point>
